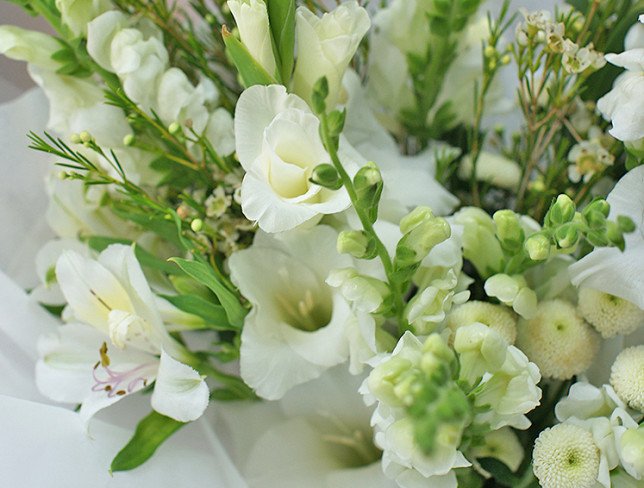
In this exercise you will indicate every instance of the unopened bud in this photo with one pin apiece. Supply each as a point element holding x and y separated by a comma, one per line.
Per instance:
<point>174,128</point>
<point>626,224</point>
<point>416,244</point>
<point>128,140</point>
<point>415,218</point>
<point>505,60</point>
<point>327,176</point>
<point>319,95</point>
<point>562,211</point>
<point>356,243</point>
<point>368,187</point>
<point>508,229</point>
<point>75,138</point>
<point>196,225</point>
<point>85,137</point>
<point>538,247</point>
<point>489,51</point>
<point>567,236</point>
<point>600,205</point>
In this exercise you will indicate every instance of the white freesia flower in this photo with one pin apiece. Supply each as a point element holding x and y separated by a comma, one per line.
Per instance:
<point>76,14</point>
<point>624,105</point>
<point>299,326</point>
<point>326,46</point>
<point>317,436</point>
<point>608,269</point>
<point>113,304</point>
<point>251,17</point>
<point>278,144</point>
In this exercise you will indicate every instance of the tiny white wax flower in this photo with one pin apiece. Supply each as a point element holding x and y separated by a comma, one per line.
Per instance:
<point>278,144</point>
<point>496,317</point>
<point>558,340</point>
<point>608,314</point>
<point>251,17</point>
<point>326,46</point>
<point>565,456</point>
<point>627,377</point>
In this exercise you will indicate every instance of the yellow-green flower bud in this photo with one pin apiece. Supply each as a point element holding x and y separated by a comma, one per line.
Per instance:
<point>357,243</point>
<point>567,236</point>
<point>174,128</point>
<point>415,218</point>
<point>327,176</point>
<point>562,211</point>
<point>416,244</point>
<point>196,225</point>
<point>85,137</point>
<point>601,206</point>
<point>75,138</point>
<point>538,247</point>
<point>508,229</point>
<point>128,140</point>
<point>368,187</point>
<point>384,378</point>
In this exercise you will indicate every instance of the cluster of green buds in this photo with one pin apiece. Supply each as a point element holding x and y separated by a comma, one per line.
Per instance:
<point>421,380</point>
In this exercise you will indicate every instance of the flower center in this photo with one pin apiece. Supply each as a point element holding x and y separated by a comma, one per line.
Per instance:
<point>119,383</point>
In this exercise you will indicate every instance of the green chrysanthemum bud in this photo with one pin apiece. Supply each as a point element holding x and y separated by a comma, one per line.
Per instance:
<point>566,456</point>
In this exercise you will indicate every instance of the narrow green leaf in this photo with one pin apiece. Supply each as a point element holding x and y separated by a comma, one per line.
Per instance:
<point>214,315</point>
<point>150,433</point>
<point>204,274</point>
<point>501,473</point>
<point>146,259</point>
<point>251,72</point>
<point>281,15</point>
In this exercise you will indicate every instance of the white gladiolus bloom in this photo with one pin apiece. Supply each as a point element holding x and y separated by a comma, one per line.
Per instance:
<point>251,17</point>
<point>624,105</point>
<point>326,46</point>
<point>278,144</point>
<point>608,269</point>
<point>76,14</point>
<point>299,326</point>
<point>112,304</point>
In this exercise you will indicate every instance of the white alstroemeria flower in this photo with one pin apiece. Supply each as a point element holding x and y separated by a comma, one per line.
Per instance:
<point>112,303</point>
<point>135,54</point>
<point>409,180</point>
<point>608,269</point>
<point>76,14</point>
<point>278,144</point>
<point>325,47</point>
<point>251,17</point>
<point>624,105</point>
<point>329,444</point>
<point>299,326</point>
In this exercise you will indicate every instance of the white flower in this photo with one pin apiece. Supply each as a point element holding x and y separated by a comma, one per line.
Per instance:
<point>136,55</point>
<point>608,269</point>
<point>588,158</point>
<point>326,46</point>
<point>220,131</point>
<point>496,317</point>
<point>251,17</point>
<point>608,314</point>
<point>631,451</point>
<point>493,168</point>
<point>623,105</point>
<point>514,292</point>
<point>502,444</point>
<point>565,456</point>
<point>480,349</point>
<point>31,46</point>
<point>299,326</point>
<point>585,401</point>
<point>278,144</point>
<point>76,14</point>
<point>558,340</point>
<point>113,303</point>
<point>627,377</point>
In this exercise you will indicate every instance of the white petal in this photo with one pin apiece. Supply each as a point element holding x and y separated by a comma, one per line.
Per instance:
<point>256,108</point>
<point>180,392</point>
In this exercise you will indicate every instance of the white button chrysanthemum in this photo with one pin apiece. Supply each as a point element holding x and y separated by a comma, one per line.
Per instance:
<point>498,318</point>
<point>565,456</point>
<point>558,340</point>
<point>609,314</point>
<point>627,377</point>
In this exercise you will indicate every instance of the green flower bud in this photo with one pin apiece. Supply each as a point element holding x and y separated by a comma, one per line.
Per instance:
<point>508,229</point>
<point>567,236</point>
<point>415,218</point>
<point>416,244</point>
<point>368,187</point>
<point>538,247</point>
<point>489,51</point>
<point>595,219</point>
<point>626,224</point>
<point>599,205</point>
<point>128,140</point>
<point>435,345</point>
<point>562,211</point>
<point>615,235</point>
<point>319,95</point>
<point>357,243</point>
<point>85,137</point>
<point>327,176</point>
<point>335,121</point>
<point>174,128</point>
<point>75,138</point>
<point>196,225</point>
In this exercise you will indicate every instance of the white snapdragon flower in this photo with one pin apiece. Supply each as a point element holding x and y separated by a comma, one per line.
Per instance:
<point>111,303</point>
<point>76,14</point>
<point>514,292</point>
<point>299,326</point>
<point>135,54</point>
<point>278,144</point>
<point>624,105</point>
<point>251,17</point>
<point>608,269</point>
<point>326,46</point>
<point>31,46</point>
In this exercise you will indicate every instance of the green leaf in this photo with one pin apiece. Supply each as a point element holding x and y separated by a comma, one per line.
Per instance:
<point>281,15</point>
<point>213,314</point>
<point>151,432</point>
<point>146,259</point>
<point>204,274</point>
<point>499,471</point>
<point>251,72</point>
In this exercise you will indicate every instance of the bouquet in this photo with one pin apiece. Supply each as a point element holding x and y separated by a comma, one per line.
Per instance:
<point>378,244</point>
